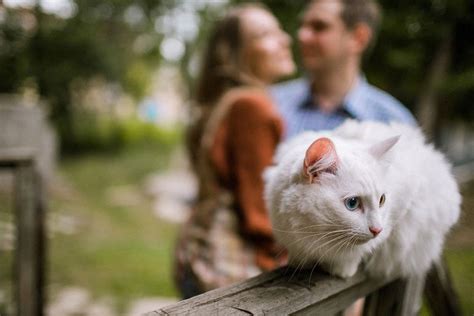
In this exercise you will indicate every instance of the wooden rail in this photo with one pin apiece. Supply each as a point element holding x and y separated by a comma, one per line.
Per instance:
<point>286,292</point>
<point>29,249</point>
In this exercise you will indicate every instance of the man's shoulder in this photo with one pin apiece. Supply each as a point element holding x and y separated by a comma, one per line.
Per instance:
<point>380,96</point>
<point>288,94</point>
<point>294,86</point>
<point>386,106</point>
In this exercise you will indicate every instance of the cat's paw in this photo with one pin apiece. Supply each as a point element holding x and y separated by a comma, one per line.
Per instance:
<point>343,270</point>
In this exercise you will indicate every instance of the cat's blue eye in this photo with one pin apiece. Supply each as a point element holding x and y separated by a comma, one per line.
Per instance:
<point>352,203</point>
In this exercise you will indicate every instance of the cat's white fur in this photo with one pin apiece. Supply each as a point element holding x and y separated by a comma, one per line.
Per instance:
<point>312,222</point>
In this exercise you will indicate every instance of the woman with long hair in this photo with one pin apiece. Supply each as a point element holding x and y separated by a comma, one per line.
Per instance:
<point>230,144</point>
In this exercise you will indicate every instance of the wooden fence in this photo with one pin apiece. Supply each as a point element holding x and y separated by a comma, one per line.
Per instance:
<point>29,217</point>
<point>288,292</point>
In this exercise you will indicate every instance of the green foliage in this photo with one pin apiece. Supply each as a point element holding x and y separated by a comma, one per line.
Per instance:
<point>13,60</point>
<point>137,78</point>
<point>132,132</point>
<point>100,39</point>
<point>412,32</point>
<point>100,133</point>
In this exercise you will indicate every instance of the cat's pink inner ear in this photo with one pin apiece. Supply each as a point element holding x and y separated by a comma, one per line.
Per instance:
<point>320,157</point>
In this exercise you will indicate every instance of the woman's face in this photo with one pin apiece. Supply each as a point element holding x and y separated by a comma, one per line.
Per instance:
<point>266,50</point>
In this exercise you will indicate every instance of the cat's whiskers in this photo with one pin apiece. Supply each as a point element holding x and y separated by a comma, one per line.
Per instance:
<point>320,259</point>
<point>354,240</point>
<point>351,235</point>
<point>313,234</point>
<point>342,241</point>
<point>338,233</point>
<point>334,240</point>
<point>301,230</point>
<point>302,262</point>
<point>337,242</point>
<point>305,259</point>
<point>312,270</point>
<point>320,235</point>
<point>343,245</point>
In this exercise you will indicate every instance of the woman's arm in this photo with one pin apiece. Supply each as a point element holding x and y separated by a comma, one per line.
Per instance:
<point>255,131</point>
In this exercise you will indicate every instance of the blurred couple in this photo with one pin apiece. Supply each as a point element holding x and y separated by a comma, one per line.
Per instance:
<point>241,116</point>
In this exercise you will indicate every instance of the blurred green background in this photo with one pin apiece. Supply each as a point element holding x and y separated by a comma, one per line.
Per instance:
<point>115,78</point>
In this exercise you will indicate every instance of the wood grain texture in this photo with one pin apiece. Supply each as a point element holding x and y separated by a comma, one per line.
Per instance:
<point>29,222</point>
<point>281,292</point>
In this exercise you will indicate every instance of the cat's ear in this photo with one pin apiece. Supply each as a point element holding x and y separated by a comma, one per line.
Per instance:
<point>381,148</point>
<point>320,157</point>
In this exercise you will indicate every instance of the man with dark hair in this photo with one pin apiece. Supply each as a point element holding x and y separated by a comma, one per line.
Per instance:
<point>333,36</point>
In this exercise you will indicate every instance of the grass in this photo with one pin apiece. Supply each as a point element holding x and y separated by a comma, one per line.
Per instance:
<point>460,252</point>
<point>461,264</point>
<point>122,252</point>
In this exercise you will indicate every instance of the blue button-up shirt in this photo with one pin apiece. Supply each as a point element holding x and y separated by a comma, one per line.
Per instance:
<point>363,102</point>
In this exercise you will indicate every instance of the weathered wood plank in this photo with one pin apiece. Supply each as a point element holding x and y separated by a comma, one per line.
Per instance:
<point>280,292</point>
<point>29,249</point>
<point>398,298</point>
<point>10,157</point>
<point>387,300</point>
<point>283,292</point>
<point>187,306</point>
<point>342,299</point>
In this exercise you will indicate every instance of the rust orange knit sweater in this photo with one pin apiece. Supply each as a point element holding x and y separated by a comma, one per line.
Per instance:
<point>243,147</point>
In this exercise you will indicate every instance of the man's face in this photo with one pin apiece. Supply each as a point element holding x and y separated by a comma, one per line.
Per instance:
<point>323,37</point>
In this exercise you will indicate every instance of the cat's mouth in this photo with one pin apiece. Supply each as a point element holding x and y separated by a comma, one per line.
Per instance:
<point>359,240</point>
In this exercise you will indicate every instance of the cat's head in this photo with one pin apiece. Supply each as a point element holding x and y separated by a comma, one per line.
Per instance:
<point>346,188</point>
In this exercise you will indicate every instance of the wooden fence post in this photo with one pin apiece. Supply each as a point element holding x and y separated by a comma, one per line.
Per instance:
<point>401,297</point>
<point>439,292</point>
<point>29,253</point>
<point>29,220</point>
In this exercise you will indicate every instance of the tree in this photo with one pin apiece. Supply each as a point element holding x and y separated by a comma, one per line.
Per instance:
<point>113,39</point>
<point>425,58</point>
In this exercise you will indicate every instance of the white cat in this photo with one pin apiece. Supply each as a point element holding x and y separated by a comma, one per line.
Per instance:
<point>365,192</point>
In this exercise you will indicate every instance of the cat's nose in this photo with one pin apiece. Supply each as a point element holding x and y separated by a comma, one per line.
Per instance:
<point>375,230</point>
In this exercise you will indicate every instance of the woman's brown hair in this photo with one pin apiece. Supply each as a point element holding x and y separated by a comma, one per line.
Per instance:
<point>222,67</point>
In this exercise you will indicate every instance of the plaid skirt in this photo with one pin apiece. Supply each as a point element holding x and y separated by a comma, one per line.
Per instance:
<point>211,252</point>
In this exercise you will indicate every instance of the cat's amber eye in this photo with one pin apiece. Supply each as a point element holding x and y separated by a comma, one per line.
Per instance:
<point>352,203</point>
<point>382,200</point>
